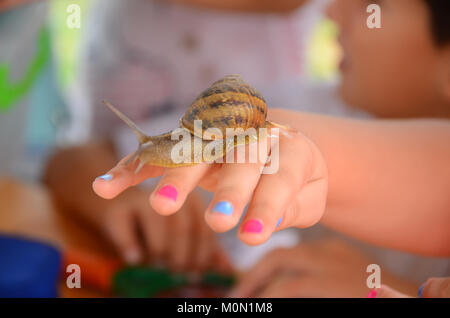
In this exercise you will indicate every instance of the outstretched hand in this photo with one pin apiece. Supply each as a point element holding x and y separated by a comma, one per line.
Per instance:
<point>293,196</point>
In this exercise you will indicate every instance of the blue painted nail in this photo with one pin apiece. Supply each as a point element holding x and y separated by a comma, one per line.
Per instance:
<point>420,291</point>
<point>223,207</point>
<point>106,177</point>
<point>279,222</point>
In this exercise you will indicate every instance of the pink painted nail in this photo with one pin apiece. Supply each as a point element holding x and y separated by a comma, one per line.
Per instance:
<point>253,226</point>
<point>168,192</point>
<point>372,294</point>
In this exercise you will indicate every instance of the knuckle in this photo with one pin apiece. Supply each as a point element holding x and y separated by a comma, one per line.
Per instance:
<point>291,179</point>
<point>295,217</point>
<point>230,191</point>
<point>305,149</point>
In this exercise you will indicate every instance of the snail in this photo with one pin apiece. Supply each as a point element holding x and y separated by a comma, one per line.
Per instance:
<point>227,103</point>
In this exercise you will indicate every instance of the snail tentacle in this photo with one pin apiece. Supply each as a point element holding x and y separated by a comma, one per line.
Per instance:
<point>140,135</point>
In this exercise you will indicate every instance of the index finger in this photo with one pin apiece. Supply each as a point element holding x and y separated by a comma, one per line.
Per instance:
<point>123,176</point>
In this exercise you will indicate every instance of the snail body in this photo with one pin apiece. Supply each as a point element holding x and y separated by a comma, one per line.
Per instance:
<point>228,103</point>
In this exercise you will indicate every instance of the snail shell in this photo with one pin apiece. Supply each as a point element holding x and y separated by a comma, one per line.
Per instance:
<point>228,103</point>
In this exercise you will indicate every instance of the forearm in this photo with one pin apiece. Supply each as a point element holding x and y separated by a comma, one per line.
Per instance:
<point>389,181</point>
<point>69,175</point>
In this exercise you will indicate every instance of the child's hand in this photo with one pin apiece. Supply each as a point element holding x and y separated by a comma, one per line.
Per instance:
<point>432,288</point>
<point>182,241</point>
<point>295,196</point>
<point>328,268</point>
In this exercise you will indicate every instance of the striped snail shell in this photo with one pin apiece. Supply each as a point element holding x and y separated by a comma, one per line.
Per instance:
<point>228,103</point>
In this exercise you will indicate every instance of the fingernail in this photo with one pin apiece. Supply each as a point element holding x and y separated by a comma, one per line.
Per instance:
<point>132,256</point>
<point>279,222</point>
<point>253,226</point>
<point>420,291</point>
<point>223,207</point>
<point>106,177</point>
<point>168,192</point>
<point>372,294</point>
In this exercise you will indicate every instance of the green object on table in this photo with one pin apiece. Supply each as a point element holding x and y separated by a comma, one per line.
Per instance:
<point>145,282</point>
<point>217,280</point>
<point>149,282</point>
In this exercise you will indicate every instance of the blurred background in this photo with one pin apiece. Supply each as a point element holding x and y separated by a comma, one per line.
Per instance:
<point>41,62</point>
<point>150,58</point>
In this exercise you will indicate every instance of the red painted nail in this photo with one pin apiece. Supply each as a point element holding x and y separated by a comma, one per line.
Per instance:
<point>168,192</point>
<point>253,226</point>
<point>372,294</point>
